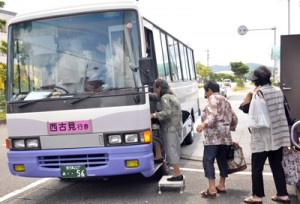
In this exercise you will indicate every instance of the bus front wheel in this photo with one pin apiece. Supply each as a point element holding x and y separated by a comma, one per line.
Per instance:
<point>163,170</point>
<point>189,139</point>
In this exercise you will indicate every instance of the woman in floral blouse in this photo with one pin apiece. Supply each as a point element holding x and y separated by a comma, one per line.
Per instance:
<point>218,119</point>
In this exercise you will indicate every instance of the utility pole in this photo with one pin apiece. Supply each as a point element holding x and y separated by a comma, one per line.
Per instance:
<point>207,58</point>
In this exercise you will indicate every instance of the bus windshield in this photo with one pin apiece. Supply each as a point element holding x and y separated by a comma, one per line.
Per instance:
<point>74,54</point>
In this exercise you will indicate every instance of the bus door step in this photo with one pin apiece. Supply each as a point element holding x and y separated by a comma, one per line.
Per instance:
<point>164,183</point>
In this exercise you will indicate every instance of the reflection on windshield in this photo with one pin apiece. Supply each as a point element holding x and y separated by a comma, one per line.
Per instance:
<point>79,54</point>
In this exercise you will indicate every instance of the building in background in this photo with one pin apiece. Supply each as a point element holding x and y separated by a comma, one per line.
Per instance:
<point>5,15</point>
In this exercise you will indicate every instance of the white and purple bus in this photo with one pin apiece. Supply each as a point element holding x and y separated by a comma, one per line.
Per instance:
<point>77,90</point>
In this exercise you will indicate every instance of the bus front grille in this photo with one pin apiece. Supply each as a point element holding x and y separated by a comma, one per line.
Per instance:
<point>89,160</point>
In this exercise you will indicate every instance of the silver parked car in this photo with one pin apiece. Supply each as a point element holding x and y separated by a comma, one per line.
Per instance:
<point>227,82</point>
<point>223,90</point>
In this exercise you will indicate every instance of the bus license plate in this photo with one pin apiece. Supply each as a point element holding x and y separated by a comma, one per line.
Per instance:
<point>73,171</point>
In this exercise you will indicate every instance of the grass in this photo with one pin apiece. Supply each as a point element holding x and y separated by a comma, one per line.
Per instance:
<point>239,88</point>
<point>2,115</point>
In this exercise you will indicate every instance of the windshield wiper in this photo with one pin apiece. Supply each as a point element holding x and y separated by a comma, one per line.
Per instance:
<point>53,86</point>
<point>82,98</point>
<point>31,102</point>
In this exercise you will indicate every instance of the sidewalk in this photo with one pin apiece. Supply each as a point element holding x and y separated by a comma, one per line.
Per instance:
<point>195,150</point>
<point>241,135</point>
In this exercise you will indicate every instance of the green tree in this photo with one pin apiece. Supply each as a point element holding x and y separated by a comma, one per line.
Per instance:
<point>199,66</point>
<point>239,69</point>
<point>205,72</point>
<point>3,50</point>
<point>202,70</point>
<point>221,76</point>
<point>3,44</point>
<point>3,47</point>
<point>2,22</point>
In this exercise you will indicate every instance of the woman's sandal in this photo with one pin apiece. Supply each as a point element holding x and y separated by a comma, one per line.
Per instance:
<point>220,191</point>
<point>250,200</point>
<point>207,194</point>
<point>280,200</point>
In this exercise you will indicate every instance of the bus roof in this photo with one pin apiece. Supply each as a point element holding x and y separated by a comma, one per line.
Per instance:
<point>103,5</point>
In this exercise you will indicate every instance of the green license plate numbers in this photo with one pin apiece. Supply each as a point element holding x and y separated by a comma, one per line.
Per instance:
<point>73,171</point>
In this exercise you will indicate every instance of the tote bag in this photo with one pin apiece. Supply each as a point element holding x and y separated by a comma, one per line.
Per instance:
<point>238,162</point>
<point>258,112</point>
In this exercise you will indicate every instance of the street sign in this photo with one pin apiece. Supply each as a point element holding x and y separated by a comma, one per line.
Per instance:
<point>242,30</point>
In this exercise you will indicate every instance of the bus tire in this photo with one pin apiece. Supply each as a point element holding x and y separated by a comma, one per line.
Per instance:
<point>189,139</point>
<point>163,170</point>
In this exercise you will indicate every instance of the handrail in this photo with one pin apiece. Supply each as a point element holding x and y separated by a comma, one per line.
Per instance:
<point>292,134</point>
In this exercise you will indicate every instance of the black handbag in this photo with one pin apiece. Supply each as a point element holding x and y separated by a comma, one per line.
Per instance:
<point>245,107</point>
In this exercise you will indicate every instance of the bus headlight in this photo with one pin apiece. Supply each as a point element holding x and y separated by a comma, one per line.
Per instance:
<point>25,144</point>
<point>131,138</point>
<point>114,139</point>
<point>19,143</point>
<point>32,143</point>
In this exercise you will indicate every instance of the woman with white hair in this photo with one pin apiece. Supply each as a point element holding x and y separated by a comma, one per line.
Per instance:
<point>170,118</point>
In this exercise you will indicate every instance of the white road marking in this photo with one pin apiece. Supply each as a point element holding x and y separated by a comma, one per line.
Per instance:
<point>21,190</point>
<point>32,185</point>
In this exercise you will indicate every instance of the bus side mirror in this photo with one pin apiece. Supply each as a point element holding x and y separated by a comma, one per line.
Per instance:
<point>146,71</point>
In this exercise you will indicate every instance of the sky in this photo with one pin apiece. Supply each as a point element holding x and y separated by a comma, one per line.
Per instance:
<point>210,27</point>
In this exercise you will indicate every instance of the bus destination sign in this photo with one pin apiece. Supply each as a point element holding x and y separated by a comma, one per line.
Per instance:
<point>65,127</point>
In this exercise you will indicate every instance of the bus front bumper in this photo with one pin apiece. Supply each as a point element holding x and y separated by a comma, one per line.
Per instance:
<point>103,161</point>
